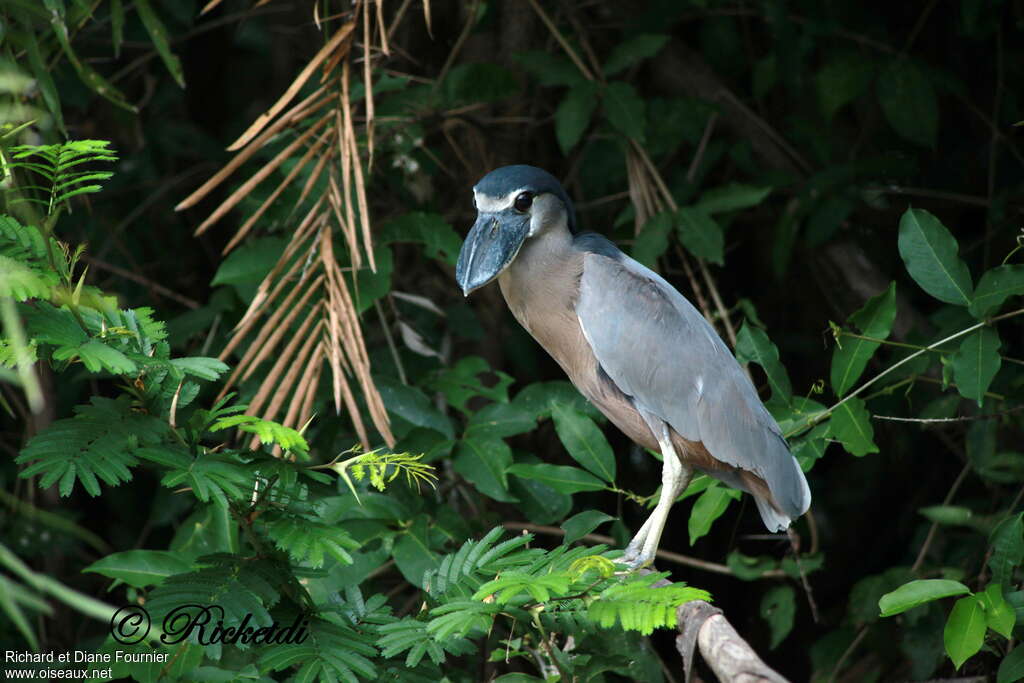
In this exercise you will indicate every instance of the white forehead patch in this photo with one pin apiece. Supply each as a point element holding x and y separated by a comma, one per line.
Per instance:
<point>485,202</point>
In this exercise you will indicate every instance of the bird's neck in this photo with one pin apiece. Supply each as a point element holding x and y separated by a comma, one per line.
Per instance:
<point>541,286</point>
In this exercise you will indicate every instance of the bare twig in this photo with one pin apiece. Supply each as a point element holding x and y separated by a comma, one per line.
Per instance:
<point>935,525</point>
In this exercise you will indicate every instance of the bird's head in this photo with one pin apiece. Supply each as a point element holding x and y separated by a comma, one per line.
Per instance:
<point>514,204</point>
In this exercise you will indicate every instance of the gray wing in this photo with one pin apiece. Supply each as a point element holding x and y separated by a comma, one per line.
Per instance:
<point>660,350</point>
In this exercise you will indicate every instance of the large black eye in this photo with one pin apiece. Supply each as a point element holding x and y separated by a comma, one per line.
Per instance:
<point>523,202</point>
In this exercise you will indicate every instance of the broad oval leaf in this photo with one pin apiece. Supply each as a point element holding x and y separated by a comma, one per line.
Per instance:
<point>851,424</point>
<point>561,478</point>
<point>851,355</point>
<point>652,241</point>
<point>999,616</point>
<point>709,507</point>
<point>582,524</point>
<point>778,607</point>
<point>754,346</point>
<point>994,287</point>
<point>484,462</point>
<point>140,568</point>
<point>976,363</point>
<point>931,255</point>
<point>1007,541</point>
<point>732,197</point>
<point>909,102</point>
<point>585,442</point>
<point>574,113</point>
<point>965,630</point>
<point>841,81</point>
<point>633,50</point>
<point>915,593</point>
<point>625,110</point>
<point>700,234</point>
<point>1012,667</point>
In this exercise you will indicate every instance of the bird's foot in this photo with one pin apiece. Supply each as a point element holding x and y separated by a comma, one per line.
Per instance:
<point>634,558</point>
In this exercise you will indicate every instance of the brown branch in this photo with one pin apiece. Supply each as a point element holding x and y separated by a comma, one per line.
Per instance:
<point>728,655</point>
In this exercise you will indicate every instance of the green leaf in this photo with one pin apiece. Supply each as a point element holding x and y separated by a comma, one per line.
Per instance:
<point>754,346</point>
<point>624,109</point>
<point>574,113</point>
<point>201,367</point>
<point>250,263</point>
<point>851,424</point>
<point>412,552</point>
<point>582,524</point>
<point>561,478</point>
<point>100,443</point>
<point>841,81</point>
<point>41,73</point>
<point>638,606</point>
<point>585,442</point>
<point>499,420</point>
<point>308,541</point>
<point>652,241</point>
<point>999,616</point>
<point>851,355</point>
<point>479,82</point>
<point>268,432</point>
<point>484,462</point>
<point>915,593</point>
<point>1007,541</point>
<point>909,102</point>
<point>158,34</point>
<point>1012,667</point>
<point>439,239</point>
<point>86,73</point>
<point>778,607</point>
<point>411,404</point>
<point>700,234</point>
<point>732,197</point>
<point>965,630</point>
<point>976,363</point>
<point>996,285</point>
<point>709,506</point>
<point>950,515</point>
<point>930,253</point>
<point>140,568</point>
<point>632,51</point>
<point>549,69</point>
<point>540,398</point>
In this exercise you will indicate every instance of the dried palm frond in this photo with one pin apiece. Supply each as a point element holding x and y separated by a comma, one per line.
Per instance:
<point>303,316</point>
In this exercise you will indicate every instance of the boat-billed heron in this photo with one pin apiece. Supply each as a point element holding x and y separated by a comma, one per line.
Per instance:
<point>632,344</point>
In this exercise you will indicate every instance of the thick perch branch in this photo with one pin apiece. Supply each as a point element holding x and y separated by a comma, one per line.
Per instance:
<point>728,655</point>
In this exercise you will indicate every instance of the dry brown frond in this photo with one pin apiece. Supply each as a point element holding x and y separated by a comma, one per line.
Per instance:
<point>305,297</point>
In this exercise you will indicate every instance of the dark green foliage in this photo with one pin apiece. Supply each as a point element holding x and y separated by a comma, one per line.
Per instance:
<point>785,165</point>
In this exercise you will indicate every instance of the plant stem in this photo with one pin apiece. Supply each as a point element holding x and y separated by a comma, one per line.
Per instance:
<point>931,347</point>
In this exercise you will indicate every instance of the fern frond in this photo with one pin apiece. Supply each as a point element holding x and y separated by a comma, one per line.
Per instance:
<point>268,432</point>
<point>217,477</point>
<point>309,541</point>
<point>638,606</point>
<point>57,163</point>
<point>230,590</point>
<point>332,652</point>
<point>99,443</point>
<point>410,635</point>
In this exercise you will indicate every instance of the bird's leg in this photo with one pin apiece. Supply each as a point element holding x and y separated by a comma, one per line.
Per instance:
<point>675,477</point>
